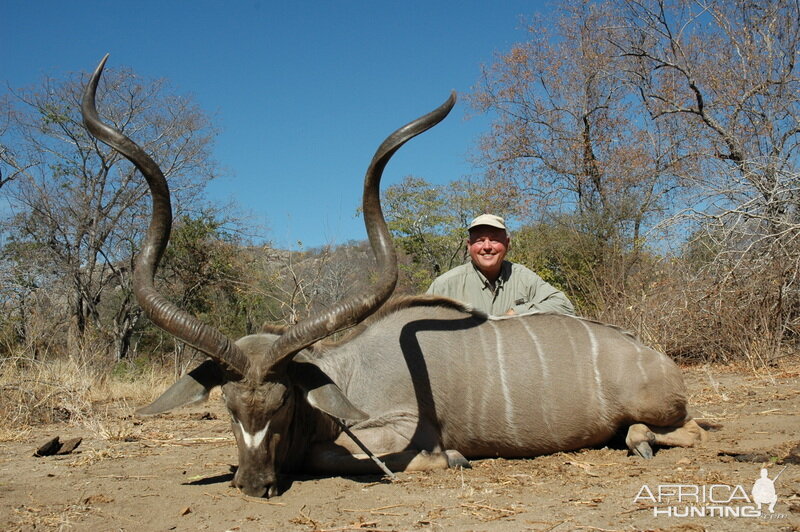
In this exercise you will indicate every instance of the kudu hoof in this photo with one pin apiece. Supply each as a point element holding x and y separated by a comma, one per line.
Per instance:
<point>456,459</point>
<point>643,449</point>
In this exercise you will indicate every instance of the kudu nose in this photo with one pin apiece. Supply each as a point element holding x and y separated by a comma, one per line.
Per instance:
<point>256,487</point>
<point>254,491</point>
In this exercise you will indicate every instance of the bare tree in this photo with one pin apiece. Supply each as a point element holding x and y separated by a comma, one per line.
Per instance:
<point>9,167</point>
<point>573,142</point>
<point>27,294</point>
<point>728,72</point>
<point>79,201</point>
<point>300,283</point>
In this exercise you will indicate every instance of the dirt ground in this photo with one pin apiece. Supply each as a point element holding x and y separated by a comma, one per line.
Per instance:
<point>173,472</point>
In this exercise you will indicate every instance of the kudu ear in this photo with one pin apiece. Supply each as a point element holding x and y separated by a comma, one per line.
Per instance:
<point>322,393</point>
<point>191,388</point>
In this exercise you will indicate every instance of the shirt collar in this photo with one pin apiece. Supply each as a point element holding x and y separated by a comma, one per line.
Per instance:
<point>505,273</point>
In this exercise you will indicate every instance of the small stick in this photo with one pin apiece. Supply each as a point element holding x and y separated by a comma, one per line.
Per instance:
<point>127,477</point>
<point>483,506</point>
<point>367,451</point>
<point>373,510</point>
<point>361,526</point>
<point>555,525</point>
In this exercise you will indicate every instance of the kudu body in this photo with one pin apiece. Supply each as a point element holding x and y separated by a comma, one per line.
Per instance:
<point>425,383</point>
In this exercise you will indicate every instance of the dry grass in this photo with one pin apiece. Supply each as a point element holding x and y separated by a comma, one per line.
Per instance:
<point>64,517</point>
<point>69,391</point>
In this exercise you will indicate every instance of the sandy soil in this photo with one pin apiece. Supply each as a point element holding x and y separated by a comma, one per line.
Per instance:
<point>173,473</point>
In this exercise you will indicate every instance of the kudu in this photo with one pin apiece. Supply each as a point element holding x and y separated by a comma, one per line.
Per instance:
<point>427,383</point>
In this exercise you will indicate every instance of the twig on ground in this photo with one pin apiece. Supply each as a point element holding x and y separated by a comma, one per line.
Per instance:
<point>555,525</point>
<point>377,511</point>
<point>369,525</point>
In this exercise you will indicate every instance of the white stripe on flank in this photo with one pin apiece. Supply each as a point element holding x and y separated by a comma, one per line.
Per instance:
<point>639,355</point>
<point>503,380</point>
<point>662,360</point>
<point>546,413</point>
<point>486,387</point>
<point>597,379</point>
<point>469,415</point>
<point>539,353</point>
<point>253,440</point>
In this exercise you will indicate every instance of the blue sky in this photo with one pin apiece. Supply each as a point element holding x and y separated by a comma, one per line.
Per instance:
<point>303,92</point>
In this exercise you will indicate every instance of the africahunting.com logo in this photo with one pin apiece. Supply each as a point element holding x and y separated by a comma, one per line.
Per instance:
<point>713,500</point>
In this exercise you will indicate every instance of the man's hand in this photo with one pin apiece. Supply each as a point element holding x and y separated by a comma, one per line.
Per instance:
<point>510,312</point>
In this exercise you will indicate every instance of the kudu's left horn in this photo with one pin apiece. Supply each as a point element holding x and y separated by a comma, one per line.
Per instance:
<point>355,309</point>
<point>160,310</point>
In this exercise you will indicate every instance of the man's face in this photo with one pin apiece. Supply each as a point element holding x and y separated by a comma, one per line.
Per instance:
<point>488,247</point>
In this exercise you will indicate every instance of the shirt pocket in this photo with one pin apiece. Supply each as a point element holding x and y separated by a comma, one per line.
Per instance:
<point>519,299</point>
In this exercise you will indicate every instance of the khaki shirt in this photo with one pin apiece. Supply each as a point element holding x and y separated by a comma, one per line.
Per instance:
<point>516,288</point>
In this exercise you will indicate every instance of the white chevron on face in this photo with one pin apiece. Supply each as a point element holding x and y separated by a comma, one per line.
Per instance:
<point>253,440</point>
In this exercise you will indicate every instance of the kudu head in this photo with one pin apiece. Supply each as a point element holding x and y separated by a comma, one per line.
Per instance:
<point>263,375</point>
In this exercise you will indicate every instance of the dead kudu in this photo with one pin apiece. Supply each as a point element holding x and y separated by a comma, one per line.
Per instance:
<point>427,383</point>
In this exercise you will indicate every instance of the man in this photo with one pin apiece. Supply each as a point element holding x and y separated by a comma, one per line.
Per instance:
<point>494,285</point>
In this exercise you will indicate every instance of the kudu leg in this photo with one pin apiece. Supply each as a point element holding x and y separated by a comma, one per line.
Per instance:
<point>402,444</point>
<point>641,437</point>
<point>339,462</point>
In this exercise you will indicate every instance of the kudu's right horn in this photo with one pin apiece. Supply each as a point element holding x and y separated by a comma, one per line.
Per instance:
<point>160,310</point>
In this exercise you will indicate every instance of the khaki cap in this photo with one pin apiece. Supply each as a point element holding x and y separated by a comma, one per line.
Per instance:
<point>488,219</point>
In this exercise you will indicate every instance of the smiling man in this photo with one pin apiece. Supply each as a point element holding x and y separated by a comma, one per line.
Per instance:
<point>494,285</point>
